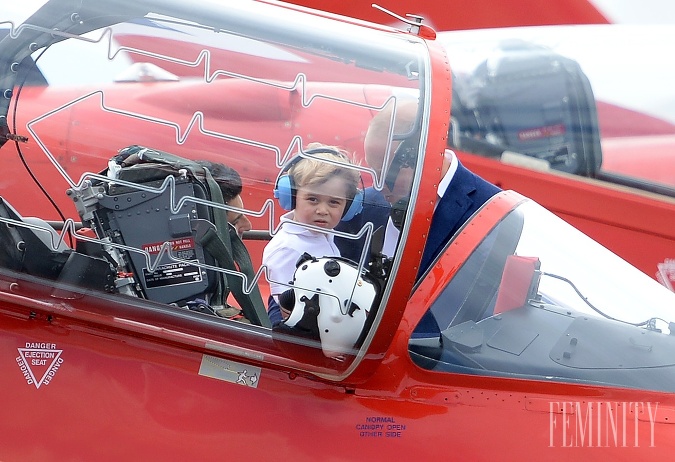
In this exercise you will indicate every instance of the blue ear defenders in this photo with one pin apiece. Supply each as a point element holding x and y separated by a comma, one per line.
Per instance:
<point>285,189</point>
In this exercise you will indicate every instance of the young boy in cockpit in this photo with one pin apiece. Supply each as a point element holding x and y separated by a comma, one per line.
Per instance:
<point>319,192</point>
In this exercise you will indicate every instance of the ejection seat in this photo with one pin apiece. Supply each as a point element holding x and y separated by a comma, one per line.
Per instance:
<point>155,220</point>
<point>32,246</point>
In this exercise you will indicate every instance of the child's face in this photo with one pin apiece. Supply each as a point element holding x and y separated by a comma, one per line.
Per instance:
<point>321,205</point>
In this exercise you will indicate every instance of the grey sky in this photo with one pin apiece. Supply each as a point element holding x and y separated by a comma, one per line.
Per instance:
<point>638,11</point>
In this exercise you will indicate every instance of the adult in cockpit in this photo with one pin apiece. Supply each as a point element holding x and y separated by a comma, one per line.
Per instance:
<point>460,192</point>
<point>230,184</point>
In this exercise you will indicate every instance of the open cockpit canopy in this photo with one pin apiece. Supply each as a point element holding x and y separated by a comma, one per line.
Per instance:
<point>91,85</point>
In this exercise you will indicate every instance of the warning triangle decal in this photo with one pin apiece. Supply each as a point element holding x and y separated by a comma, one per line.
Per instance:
<point>39,362</point>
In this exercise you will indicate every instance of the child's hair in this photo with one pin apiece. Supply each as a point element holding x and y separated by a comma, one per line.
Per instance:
<point>313,170</point>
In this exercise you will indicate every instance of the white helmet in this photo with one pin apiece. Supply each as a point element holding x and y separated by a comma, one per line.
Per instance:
<point>331,301</point>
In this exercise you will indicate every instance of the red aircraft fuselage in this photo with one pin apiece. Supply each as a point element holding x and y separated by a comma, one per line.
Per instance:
<point>546,345</point>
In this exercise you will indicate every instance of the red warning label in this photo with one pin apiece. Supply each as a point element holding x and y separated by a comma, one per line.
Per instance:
<point>177,245</point>
<point>541,132</point>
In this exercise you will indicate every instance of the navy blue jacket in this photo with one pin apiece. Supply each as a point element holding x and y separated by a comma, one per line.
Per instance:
<point>466,193</point>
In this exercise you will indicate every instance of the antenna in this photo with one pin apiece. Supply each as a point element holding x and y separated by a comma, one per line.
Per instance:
<point>415,22</point>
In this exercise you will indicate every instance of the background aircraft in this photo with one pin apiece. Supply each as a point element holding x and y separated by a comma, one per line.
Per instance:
<point>627,148</point>
<point>633,108</point>
<point>634,111</point>
<point>454,15</point>
<point>483,14</point>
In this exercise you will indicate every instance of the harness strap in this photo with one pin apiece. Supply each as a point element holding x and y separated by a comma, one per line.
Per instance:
<point>251,304</point>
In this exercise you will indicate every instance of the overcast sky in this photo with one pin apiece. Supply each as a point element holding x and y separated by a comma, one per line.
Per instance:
<point>638,11</point>
<point>18,11</point>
